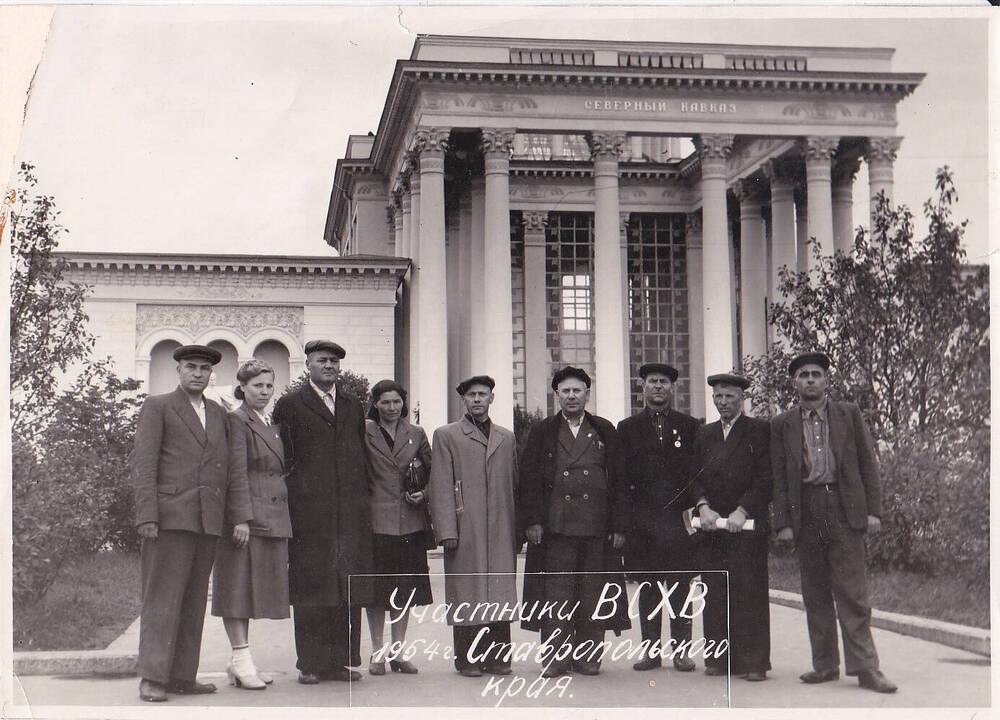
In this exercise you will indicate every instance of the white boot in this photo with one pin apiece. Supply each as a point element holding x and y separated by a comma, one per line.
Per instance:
<point>241,670</point>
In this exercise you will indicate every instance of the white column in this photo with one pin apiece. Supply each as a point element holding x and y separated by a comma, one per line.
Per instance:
<point>843,204</point>
<point>557,142</point>
<point>717,263</point>
<point>819,152</point>
<point>696,315</point>
<point>499,350</point>
<point>536,352</point>
<point>880,156</point>
<point>753,270</point>
<point>609,357</point>
<point>415,330</point>
<point>455,303</point>
<point>477,260</point>
<point>432,350</point>
<point>801,230</point>
<point>782,225</point>
<point>464,282</point>
<point>405,350</point>
<point>623,221</point>
<point>635,147</point>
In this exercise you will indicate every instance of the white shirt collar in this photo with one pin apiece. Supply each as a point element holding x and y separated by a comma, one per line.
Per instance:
<point>321,392</point>
<point>733,421</point>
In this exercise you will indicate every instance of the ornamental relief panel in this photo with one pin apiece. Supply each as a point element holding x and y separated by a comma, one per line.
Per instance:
<point>195,319</point>
<point>482,102</point>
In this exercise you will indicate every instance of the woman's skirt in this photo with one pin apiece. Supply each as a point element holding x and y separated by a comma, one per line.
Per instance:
<point>251,581</point>
<point>404,556</point>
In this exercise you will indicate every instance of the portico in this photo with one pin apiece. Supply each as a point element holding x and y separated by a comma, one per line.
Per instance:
<point>568,202</point>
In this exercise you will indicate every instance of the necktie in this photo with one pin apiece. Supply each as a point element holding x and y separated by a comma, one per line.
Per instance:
<point>328,399</point>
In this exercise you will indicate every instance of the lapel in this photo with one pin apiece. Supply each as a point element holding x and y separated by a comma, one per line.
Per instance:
<point>376,439</point>
<point>184,409</point>
<point>793,434</point>
<point>472,431</point>
<point>267,433</point>
<point>735,439</point>
<point>583,440</point>
<point>565,435</point>
<point>405,436</point>
<point>313,402</point>
<point>496,440</point>
<point>838,430</point>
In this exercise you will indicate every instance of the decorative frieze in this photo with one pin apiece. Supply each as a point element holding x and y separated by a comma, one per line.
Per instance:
<point>244,320</point>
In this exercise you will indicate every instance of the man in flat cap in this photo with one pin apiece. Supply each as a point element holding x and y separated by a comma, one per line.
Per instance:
<point>323,431</point>
<point>575,513</point>
<point>179,469</point>
<point>731,481</point>
<point>658,443</point>
<point>827,494</point>
<point>472,508</point>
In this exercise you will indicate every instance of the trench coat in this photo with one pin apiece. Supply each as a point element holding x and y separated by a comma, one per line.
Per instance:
<point>329,498</point>
<point>472,499</point>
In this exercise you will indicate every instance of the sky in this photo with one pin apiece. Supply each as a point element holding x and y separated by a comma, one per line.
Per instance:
<point>217,129</point>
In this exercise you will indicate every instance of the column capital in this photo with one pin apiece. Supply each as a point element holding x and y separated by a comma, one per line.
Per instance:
<point>882,148</point>
<point>607,146</point>
<point>845,170</point>
<point>780,171</point>
<point>714,146</point>
<point>534,222</point>
<point>819,148</point>
<point>750,191</point>
<point>497,140</point>
<point>428,140</point>
<point>692,229</point>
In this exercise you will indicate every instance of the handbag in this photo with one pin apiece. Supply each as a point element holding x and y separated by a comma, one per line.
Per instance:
<point>415,478</point>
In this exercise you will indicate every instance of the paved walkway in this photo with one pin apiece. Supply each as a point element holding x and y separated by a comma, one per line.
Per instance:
<point>929,675</point>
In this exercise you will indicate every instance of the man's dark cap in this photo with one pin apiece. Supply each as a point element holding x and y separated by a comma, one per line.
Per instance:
<point>668,370</point>
<point>198,351</point>
<point>570,372</point>
<point>813,358</point>
<point>328,345</point>
<point>728,379</point>
<point>463,387</point>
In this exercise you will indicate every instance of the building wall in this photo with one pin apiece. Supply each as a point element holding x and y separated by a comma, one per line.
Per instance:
<point>366,333</point>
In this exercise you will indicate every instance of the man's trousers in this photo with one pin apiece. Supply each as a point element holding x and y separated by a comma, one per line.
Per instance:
<point>327,637</point>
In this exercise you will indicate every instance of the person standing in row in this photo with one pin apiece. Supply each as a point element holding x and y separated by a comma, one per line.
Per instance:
<point>179,467</point>
<point>400,458</point>
<point>732,481</point>
<point>329,501</point>
<point>575,513</point>
<point>827,494</point>
<point>658,443</point>
<point>251,573</point>
<point>473,512</point>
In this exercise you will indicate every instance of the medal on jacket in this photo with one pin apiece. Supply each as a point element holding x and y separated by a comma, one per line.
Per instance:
<point>677,441</point>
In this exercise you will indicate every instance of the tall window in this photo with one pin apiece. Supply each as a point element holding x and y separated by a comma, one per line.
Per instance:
<point>569,292</point>
<point>517,306</point>
<point>657,301</point>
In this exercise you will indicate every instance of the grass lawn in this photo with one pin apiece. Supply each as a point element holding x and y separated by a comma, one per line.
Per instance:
<point>91,603</point>
<point>937,598</point>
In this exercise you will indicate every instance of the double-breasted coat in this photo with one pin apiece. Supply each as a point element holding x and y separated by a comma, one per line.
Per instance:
<point>472,499</point>
<point>538,474</point>
<point>329,498</point>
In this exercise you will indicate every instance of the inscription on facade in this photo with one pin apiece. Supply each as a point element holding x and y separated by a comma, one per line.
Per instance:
<point>659,106</point>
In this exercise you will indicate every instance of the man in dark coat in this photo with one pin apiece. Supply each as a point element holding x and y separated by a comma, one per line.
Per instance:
<point>827,494</point>
<point>658,443</point>
<point>329,501</point>
<point>575,515</point>
<point>179,468</point>
<point>732,482</point>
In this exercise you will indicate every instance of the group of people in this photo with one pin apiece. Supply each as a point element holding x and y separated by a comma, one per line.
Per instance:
<point>327,511</point>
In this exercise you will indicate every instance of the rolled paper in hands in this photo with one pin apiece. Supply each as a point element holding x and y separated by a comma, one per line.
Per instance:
<point>720,523</point>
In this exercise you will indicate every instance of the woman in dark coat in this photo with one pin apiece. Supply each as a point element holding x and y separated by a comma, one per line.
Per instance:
<point>400,459</point>
<point>251,577</point>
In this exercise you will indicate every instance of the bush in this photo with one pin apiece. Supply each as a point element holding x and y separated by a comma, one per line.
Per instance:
<point>523,422</point>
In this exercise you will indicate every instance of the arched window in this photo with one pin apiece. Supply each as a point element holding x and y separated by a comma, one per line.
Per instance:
<point>275,354</point>
<point>162,367</point>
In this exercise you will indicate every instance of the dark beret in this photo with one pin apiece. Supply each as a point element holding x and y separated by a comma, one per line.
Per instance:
<point>463,387</point>
<point>813,358</point>
<point>317,345</point>
<point>668,370</point>
<point>728,379</point>
<point>198,351</point>
<point>570,372</point>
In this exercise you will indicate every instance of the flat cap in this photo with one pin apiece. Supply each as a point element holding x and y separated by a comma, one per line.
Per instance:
<point>570,372</point>
<point>728,379</point>
<point>463,387</point>
<point>328,345</point>
<point>198,351</point>
<point>812,358</point>
<point>661,368</point>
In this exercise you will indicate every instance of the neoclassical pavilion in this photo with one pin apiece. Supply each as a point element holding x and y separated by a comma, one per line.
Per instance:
<point>606,204</point>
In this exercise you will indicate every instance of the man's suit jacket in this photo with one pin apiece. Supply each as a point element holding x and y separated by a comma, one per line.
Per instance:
<point>181,471</point>
<point>657,477</point>
<point>329,498</point>
<point>735,471</point>
<point>855,466</point>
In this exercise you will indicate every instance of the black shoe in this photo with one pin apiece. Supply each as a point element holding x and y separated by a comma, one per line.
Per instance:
<point>341,674</point>
<point>684,664</point>
<point>555,670</point>
<point>648,664</point>
<point>190,687</point>
<point>307,678</point>
<point>715,670</point>
<point>403,666</point>
<point>755,676</point>
<point>814,677</point>
<point>587,668</point>
<point>152,691</point>
<point>500,669</point>
<point>875,680</point>
<point>471,671</point>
